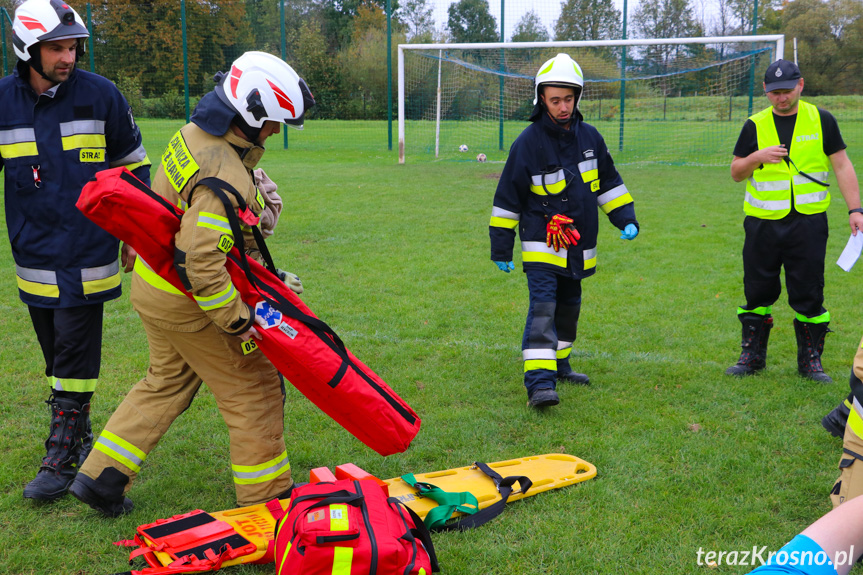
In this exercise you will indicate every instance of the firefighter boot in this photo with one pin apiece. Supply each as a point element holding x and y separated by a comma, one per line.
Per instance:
<point>753,356</point>
<point>105,494</point>
<point>835,421</point>
<point>810,346</point>
<point>63,449</point>
<point>565,373</point>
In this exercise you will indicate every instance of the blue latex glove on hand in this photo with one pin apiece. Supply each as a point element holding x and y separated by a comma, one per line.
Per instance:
<point>504,266</point>
<point>629,232</point>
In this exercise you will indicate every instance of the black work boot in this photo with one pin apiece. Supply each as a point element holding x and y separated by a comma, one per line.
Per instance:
<point>753,355</point>
<point>810,346</point>
<point>543,397</point>
<point>835,421</point>
<point>566,374</point>
<point>63,450</point>
<point>105,494</point>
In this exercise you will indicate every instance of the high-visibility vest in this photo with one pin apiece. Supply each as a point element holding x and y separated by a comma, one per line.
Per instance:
<point>769,189</point>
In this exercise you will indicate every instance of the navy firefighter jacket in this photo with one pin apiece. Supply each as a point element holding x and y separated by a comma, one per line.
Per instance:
<point>50,146</point>
<point>552,170</point>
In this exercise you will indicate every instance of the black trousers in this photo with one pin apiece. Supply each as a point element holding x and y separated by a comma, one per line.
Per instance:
<point>71,342</point>
<point>799,243</point>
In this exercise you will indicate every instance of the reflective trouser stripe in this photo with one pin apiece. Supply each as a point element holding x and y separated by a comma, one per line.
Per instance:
<point>539,359</point>
<point>854,420</point>
<point>102,278</point>
<point>71,384</point>
<point>564,352</point>
<point>823,318</point>
<point>267,471</point>
<point>120,450</point>
<point>758,311</point>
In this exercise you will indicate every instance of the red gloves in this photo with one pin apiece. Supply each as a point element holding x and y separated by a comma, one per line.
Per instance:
<point>560,232</point>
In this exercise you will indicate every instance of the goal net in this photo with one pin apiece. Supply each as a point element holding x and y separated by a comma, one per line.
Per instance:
<point>674,100</point>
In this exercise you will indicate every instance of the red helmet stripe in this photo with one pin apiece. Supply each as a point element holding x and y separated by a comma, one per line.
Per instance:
<point>282,98</point>
<point>32,23</point>
<point>235,79</point>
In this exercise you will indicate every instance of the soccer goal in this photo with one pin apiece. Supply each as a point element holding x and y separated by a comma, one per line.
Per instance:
<point>679,100</point>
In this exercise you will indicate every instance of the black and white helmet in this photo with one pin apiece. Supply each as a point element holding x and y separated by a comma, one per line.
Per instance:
<point>42,21</point>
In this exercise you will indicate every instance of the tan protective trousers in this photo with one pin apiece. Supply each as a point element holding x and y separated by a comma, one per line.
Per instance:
<point>850,482</point>
<point>248,393</point>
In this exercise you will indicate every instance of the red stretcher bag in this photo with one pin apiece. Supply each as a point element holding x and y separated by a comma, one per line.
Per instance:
<point>302,347</point>
<point>350,527</point>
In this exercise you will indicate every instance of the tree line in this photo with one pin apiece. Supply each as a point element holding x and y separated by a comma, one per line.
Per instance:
<point>339,46</point>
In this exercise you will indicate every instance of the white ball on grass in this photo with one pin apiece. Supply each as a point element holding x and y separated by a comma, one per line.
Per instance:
<point>462,148</point>
<point>481,158</point>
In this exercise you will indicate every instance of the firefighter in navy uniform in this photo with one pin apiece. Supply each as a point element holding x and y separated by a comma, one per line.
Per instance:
<point>58,127</point>
<point>558,172</point>
<point>785,153</point>
<point>208,339</point>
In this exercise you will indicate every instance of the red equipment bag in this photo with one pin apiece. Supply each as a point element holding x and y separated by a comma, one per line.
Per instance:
<point>302,347</point>
<point>350,527</point>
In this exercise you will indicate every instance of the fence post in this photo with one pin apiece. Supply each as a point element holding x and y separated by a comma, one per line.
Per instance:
<point>284,58</point>
<point>185,58</point>
<point>389,76</point>
<point>502,68</point>
<point>90,39</point>
<point>622,83</point>
<point>752,64</point>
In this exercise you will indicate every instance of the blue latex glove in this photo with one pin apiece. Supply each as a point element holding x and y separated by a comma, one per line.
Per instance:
<point>629,232</point>
<point>504,266</point>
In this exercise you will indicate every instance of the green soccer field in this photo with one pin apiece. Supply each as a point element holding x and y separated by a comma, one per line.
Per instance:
<point>395,258</point>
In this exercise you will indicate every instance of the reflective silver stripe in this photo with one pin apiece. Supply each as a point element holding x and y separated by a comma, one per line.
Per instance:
<point>136,156</point>
<point>550,179</point>
<point>775,186</point>
<point>529,354</point>
<point>800,180</point>
<point>589,254</point>
<point>810,198</point>
<point>563,345</point>
<point>37,276</point>
<point>212,222</point>
<point>588,165</point>
<point>218,300</point>
<point>82,127</point>
<point>611,194</point>
<point>543,248</point>
<point>101,272</point>
<point>502,213</point>
<point>772,206</point>
<point>17,136</point>
<point>120,450</point>
<point>262,472</point>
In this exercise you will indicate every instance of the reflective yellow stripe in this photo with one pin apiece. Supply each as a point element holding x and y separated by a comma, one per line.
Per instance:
<point>855,423</point>
<point>218,300</point>
<point>616,203</point>
<point>532,364</point>
<point>144,162</point>
<point>152,278</point>
<point>120,450</point>
<point>76,385</point>
<point>590,263</point>
<point>564,353</point>
<point>590,175</point>
<point>83,141</point>
<point>106,284</point>
<point>503,223</point>
<point>342,559</point>
<point>9,151</point>
<point>263,472</point>
<point>541,257</point>
<point>42,290</point>
<point>339,517</point>
<point>215,222</point>
<point>281,568</point>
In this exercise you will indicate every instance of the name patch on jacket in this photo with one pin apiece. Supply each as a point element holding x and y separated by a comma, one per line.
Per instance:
<point>178,163</point>
<point>92,155</point>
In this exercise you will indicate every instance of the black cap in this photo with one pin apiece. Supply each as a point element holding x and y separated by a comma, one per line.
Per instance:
<point>781,75</point>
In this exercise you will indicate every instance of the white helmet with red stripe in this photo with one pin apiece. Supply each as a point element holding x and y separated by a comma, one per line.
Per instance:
<point>44,20</point>
<point>261,87</point>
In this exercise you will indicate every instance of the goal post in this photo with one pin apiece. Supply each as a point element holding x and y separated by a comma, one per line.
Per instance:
<point>479,95</point>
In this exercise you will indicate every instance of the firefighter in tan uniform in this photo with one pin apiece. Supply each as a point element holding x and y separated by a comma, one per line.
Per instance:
<point>208,339</point>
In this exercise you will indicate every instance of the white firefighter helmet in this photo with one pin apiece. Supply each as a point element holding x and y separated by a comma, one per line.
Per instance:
<point>44,20</point>
<point>560,71</point>
<point>261,87</point>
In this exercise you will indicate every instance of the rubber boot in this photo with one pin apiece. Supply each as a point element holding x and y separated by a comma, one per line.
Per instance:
<point>105,494</point>
<point>810,346</point>
<point>63,450</point>
<point>753,355</point>
<point>566,374</point>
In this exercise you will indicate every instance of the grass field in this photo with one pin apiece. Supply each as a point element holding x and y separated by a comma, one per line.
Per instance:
<point>395,259</point>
